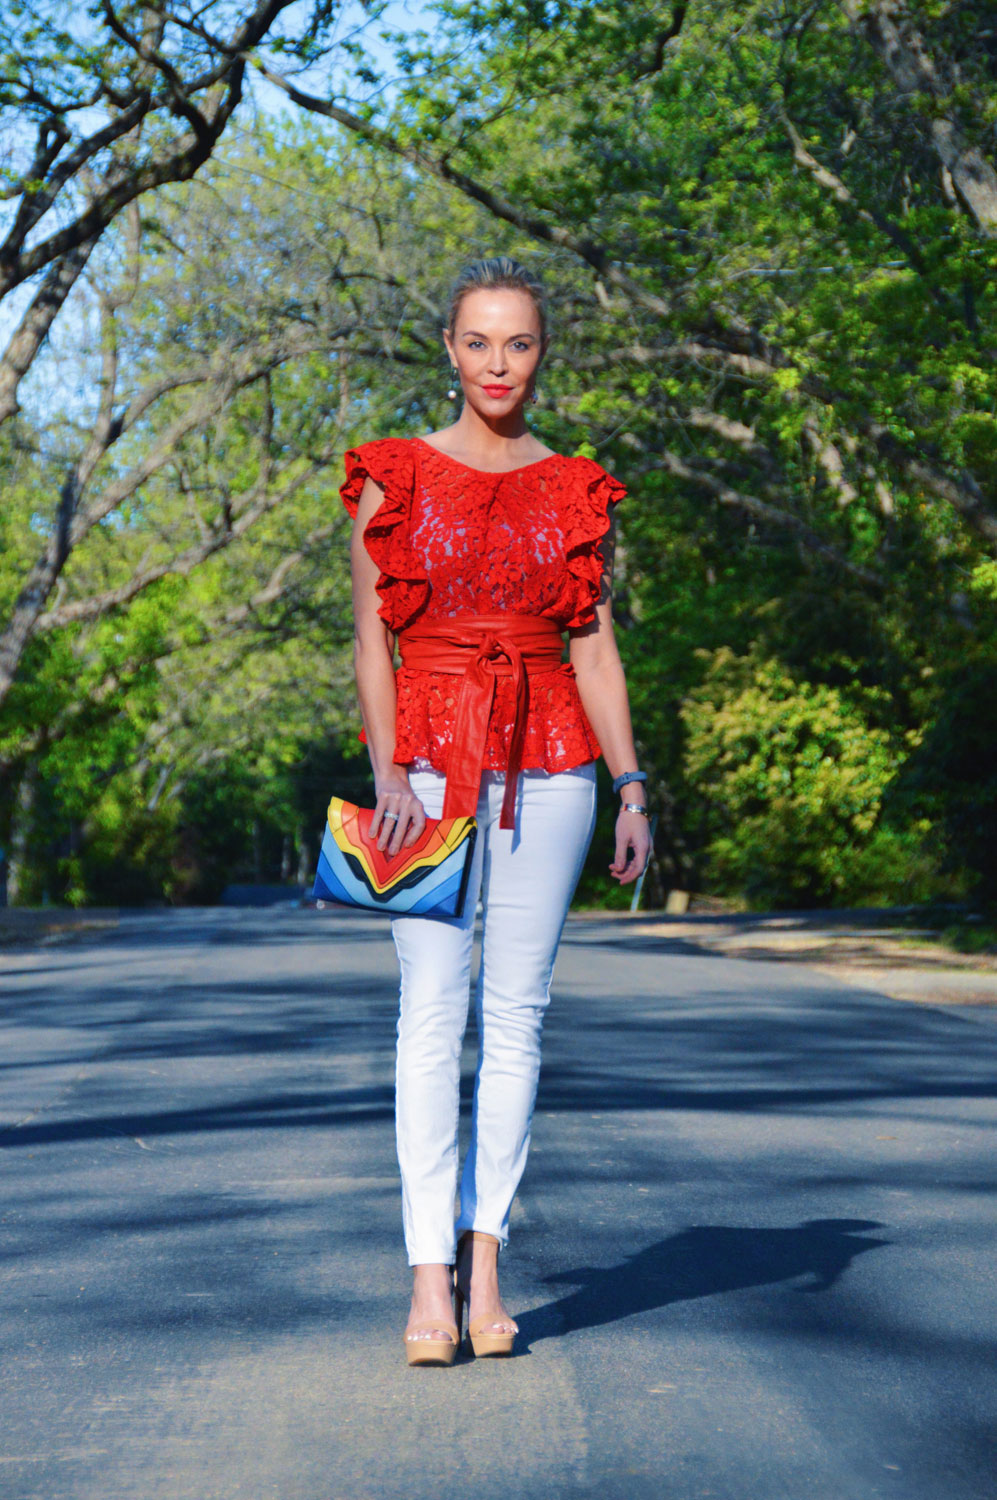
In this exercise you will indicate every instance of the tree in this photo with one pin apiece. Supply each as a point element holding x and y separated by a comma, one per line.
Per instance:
<point>771,231</point>
<point>656,129</point>
<point>201,625</point>
<point>103,111</point>
<point>773,302</point>
<point>101,115</point>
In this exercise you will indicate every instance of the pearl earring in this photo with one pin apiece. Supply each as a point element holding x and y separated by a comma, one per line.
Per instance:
<point>454,377</point>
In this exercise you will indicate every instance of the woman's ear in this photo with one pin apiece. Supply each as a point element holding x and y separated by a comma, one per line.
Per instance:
<point>448,344</point>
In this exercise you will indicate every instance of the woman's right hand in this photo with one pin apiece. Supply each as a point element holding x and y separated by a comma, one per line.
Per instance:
<point>395,795</point>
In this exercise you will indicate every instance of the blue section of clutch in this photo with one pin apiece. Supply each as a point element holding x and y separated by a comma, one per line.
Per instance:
<point>327,887</point>
<point>438,895</point>
<point>443,901</point>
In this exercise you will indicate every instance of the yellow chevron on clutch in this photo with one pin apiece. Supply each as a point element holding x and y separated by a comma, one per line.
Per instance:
<point>429,879</point>
<point>437,843</point>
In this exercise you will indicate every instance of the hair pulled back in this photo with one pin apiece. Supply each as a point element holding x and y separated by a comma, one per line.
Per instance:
<point>497,272</point>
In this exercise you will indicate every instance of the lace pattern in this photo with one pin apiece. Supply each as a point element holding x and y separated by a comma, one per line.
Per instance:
<point>450,540</point>
<point>558,733</point>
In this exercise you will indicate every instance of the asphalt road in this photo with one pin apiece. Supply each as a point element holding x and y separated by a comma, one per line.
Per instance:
<point>752,1257</point>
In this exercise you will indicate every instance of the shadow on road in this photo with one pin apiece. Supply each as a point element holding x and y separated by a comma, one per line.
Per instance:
<point>700,1262</point>
<point>327,1108</point>
<point>735,1038</point>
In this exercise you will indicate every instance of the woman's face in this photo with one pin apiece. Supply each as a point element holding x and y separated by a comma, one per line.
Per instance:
<point>496,348</point>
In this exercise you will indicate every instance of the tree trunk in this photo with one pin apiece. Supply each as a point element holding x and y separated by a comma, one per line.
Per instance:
<point>20,838</point>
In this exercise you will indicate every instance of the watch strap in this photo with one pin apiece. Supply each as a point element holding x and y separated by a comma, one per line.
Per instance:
<point>627,776</point>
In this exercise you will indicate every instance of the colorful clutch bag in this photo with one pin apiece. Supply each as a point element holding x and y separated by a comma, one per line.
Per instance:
<point>428,879</point>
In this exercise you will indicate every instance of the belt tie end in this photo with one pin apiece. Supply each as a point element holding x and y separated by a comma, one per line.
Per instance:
<point>480,649</point>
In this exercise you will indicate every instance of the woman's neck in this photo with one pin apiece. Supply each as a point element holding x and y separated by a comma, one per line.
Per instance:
<point>493,442</point>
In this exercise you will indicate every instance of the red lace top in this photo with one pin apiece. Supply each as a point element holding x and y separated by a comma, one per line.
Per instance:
<point>451,540</point>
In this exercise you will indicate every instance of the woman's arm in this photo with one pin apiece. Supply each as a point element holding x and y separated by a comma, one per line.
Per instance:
<point>373,664</point>
<point>603,690</point>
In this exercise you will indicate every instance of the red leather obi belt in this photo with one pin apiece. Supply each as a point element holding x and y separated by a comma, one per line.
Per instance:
<point>481,648</point>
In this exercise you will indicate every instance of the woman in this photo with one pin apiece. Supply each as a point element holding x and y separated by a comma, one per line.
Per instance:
<point>477,546</point>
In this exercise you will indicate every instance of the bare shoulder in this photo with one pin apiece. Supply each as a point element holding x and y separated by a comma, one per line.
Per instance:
<point>370,500</point>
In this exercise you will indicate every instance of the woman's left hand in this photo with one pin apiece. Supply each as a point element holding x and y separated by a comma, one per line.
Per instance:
<point>633,834</point>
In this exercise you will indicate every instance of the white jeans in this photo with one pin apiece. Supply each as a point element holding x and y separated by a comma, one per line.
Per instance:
<point>526,878</point>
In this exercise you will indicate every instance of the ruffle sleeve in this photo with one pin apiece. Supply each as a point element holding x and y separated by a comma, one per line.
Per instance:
<point>586,521</point>
<point>402,584</point>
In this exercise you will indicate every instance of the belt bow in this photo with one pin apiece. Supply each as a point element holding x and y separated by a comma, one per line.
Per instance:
<point>480,649</point>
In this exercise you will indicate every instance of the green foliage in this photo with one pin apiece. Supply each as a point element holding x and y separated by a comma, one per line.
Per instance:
<point>793,777</point>
<point>773,318</point>
<point>953,774</point>
<point>121,854</point>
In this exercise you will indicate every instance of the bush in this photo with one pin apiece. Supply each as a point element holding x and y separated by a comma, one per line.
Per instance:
<point>793,777</point>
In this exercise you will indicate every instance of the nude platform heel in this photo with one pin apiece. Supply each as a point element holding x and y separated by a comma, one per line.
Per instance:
<point>481,1342</point>
<point>432,1351</point>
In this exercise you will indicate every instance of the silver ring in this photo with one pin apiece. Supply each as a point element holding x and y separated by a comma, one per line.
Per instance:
<point>392,816</point>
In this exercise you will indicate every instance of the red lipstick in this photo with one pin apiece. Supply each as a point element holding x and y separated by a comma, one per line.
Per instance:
<point>496,390</point>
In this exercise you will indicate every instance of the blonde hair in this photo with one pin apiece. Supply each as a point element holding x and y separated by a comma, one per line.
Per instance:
<point>494,273</point>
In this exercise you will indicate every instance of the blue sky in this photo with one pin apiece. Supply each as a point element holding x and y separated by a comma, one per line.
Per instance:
<point>400,15</point>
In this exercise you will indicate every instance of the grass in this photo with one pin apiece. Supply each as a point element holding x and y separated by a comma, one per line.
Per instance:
<point>956,928</point>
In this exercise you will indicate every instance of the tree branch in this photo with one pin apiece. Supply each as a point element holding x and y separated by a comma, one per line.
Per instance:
<point>191,153</point>
<point>277,583</point>
<point>552,234</point>
<point>893,35</point>
<point>74,520</point>
<point>656,61</point>
<point>36,203</point>
<point>33,328</point>
<point>257,503</point>
<point>665,460</point>
<point>128,181</point>
<point>843,195</point>
<point>770,515</point>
